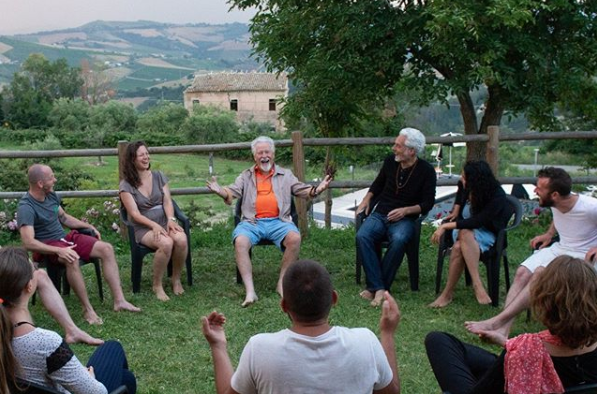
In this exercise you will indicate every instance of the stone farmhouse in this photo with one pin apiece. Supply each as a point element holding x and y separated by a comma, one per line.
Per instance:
<point>252,95</point>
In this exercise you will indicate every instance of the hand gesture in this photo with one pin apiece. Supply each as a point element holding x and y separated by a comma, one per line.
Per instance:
<point>396,214</point>
<point>540,241</point>
<point>213,328</point>
<point>97,233</point>
<point>68,255</point>
<point>158,231</point>
<point>174,227</point>
<point>214,186</point>
<point>363,207</point>
<point>323,185</point>
<point>390,314</point>
<point>438,234</point>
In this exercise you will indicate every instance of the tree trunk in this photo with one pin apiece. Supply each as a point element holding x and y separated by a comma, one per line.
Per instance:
<point>474,150</point>
<point>494,109</point>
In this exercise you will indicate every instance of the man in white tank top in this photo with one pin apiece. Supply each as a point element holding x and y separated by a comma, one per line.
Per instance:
<point>574,221</point>
<point>311,356</point>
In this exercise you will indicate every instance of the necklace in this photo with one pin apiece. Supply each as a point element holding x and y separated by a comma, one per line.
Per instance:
<point>400,182</point>
<point>19,324</point>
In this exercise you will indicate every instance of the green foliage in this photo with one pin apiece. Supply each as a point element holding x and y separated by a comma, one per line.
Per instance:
<point>70,115</point>
<point>33,90</point>
<point>210,125</point>
<point>343,55</point>
<point>161,125</point>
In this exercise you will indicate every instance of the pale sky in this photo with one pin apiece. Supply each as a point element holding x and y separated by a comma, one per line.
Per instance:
<point>28,16</point>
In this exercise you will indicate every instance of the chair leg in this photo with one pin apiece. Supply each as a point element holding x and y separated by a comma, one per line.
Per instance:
<point>136,268</point>
<point>358,265</point>
<point>412,255</point>
<point>189,266</point>
<point>441,255</point>
<point>98,276</point>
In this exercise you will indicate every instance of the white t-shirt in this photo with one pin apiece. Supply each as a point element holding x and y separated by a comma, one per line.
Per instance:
<point>577,228</point>
<point>343,360</point>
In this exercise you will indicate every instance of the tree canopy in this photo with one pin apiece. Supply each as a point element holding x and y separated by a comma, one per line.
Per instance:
<point>345,54</point>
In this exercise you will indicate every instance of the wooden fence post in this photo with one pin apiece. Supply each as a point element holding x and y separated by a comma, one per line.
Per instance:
<point>492,155</point>
<point>298,160</point>
<point>121,159</point>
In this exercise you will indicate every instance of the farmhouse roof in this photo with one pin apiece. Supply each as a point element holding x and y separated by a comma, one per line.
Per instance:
<point>239,81</point>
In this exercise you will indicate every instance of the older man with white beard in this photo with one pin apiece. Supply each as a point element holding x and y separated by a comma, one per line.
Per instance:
<point>266,190</point>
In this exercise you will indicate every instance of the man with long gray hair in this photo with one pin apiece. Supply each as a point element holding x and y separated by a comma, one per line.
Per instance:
<point>403,189</point>
<point>266,190</point>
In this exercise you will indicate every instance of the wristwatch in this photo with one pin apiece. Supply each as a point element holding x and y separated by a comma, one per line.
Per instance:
<point>174,219</point>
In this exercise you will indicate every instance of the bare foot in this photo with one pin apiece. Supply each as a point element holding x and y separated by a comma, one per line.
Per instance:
<point>249,299</point>
<point>124,305</point>
<point>92,318</point>
<point>177,288</point>
<point>80,336</point>
<point>495,336</point>
<point>441,302</point>
<point>160,293</point>
<point>482,296</point>
<point>378,299</point>
<point>366,294</point>
<point>476,327</point>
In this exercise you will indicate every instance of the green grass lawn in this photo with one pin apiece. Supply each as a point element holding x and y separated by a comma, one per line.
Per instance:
<point>169,355</point>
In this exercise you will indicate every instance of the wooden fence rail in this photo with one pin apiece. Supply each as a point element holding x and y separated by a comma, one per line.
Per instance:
<point>297,142</point>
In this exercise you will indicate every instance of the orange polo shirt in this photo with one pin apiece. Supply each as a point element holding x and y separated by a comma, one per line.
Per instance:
<point>266,205</point>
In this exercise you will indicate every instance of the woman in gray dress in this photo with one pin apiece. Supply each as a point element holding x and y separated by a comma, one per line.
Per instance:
<point>146,198</point>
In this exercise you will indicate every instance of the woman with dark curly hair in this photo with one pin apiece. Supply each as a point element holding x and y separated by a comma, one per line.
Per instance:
<point>485,211</point>
<point>564,299</point>
<point>146,197</point>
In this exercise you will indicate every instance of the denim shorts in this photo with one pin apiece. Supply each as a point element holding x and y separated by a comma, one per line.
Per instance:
<point>484,238</point>
<point>271,229</point>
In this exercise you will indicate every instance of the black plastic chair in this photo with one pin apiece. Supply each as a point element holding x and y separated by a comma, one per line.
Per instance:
<point>590,388</point>
<point>139,251</point>
<point>238,216</point>
<point>57,271</point>
<point>490,258</point>
<point>411,252</point>
<point>27,387</point>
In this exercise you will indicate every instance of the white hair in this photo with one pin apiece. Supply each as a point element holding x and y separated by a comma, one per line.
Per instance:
<point>414,139</point>
<point>262,139</point>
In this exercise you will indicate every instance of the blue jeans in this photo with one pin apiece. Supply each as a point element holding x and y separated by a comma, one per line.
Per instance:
<point>375,229</point>
<point>111,367</point>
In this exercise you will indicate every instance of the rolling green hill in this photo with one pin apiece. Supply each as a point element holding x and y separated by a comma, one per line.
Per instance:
<point>140,54</point>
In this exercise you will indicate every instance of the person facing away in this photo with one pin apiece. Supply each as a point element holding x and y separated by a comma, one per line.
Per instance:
<point>403,190</point>
<point>564,299</point>
<point>574,220</point>
<point>485,212</point>
<point>42,356</point>
<point>40,219</point>
<point>311,356</point>
<point>266,190</point>
<point>146,197</point>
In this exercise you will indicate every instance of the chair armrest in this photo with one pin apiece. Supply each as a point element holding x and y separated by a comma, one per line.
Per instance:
<point>179,213</point>
<point>87,231</point>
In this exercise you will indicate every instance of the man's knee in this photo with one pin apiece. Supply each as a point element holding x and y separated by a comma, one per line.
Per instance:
<point>292,240</point>
<point>242,243</point>
<point>103,250</point>
<point>523,275</point>
<point>42,278</point>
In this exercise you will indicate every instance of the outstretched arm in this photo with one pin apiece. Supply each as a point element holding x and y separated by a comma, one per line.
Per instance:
<point>390,317</point>
<point>215,187</point>
<point>213,330</point>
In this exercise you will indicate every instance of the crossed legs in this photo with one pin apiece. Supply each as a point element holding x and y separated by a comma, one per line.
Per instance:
<point>517,300</point>
<point>465,252</point>
<point>55,306</point>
